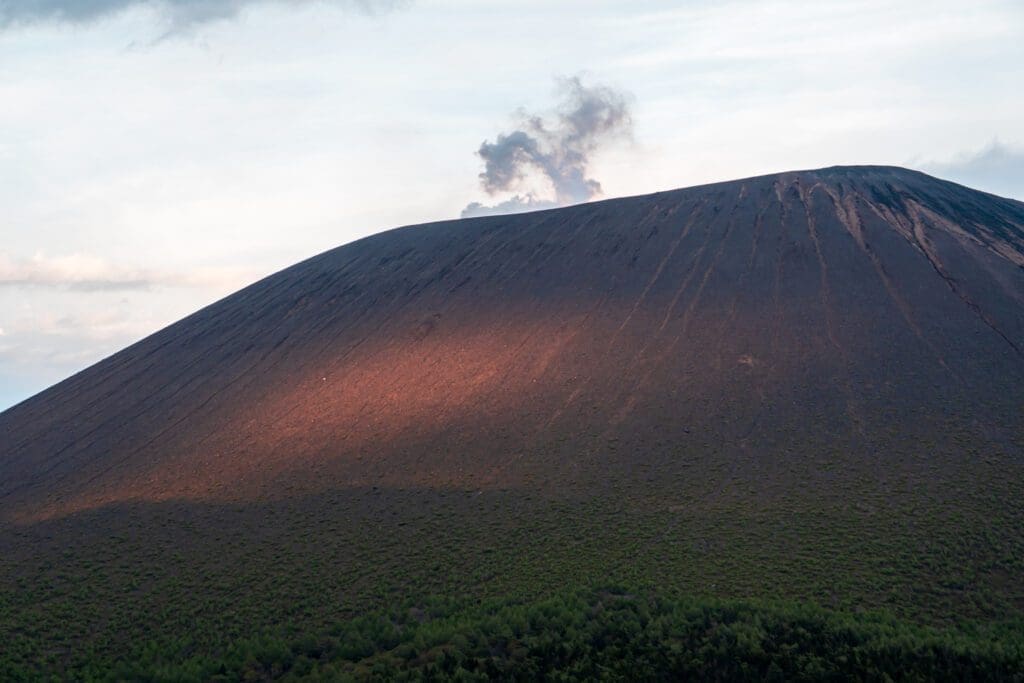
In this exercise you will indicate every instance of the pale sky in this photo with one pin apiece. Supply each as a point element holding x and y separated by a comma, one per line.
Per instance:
<point>156,155</point>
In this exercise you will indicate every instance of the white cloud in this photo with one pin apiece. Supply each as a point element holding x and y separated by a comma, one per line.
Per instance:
<point>87,272</point>
<point>97,325</point>
<point>997,168</point>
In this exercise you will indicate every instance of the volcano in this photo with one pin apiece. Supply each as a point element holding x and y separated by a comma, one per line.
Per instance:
<point>812,373</point>
<point>863,312</point>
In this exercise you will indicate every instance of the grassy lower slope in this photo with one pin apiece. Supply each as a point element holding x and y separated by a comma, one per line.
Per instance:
<point>163,585</point>
<point>609,633</point>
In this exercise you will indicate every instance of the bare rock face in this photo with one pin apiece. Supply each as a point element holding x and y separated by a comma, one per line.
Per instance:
<point>813,331</point>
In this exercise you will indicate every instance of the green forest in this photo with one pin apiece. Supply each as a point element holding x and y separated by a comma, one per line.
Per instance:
<point>606,633</point>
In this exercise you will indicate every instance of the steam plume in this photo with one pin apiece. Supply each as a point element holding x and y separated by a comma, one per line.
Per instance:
<point>559,151</point>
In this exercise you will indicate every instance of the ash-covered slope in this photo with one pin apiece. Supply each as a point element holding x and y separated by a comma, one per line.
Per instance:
<point>810,330</point>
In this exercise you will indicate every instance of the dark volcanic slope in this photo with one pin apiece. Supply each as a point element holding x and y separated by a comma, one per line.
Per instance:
<point>813,330</point>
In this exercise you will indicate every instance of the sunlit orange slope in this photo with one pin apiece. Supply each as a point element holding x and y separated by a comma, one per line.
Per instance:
<point>779,331</point>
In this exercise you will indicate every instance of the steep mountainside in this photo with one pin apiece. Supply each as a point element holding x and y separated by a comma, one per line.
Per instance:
<point>750,331</point>
<point>807,385</point>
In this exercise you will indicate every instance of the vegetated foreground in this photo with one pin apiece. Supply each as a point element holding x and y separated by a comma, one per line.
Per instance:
<point>601,634</point>
<point>803,387</point>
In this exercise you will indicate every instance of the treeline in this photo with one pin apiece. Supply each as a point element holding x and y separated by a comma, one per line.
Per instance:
<point>600,634</point>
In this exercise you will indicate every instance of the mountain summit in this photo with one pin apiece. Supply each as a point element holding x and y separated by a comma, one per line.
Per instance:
<point>810,330</point>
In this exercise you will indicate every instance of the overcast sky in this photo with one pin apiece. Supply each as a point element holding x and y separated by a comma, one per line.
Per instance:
<point>157,155</point>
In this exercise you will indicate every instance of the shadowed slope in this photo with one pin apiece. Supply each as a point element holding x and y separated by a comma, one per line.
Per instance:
<point>808,329</point>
